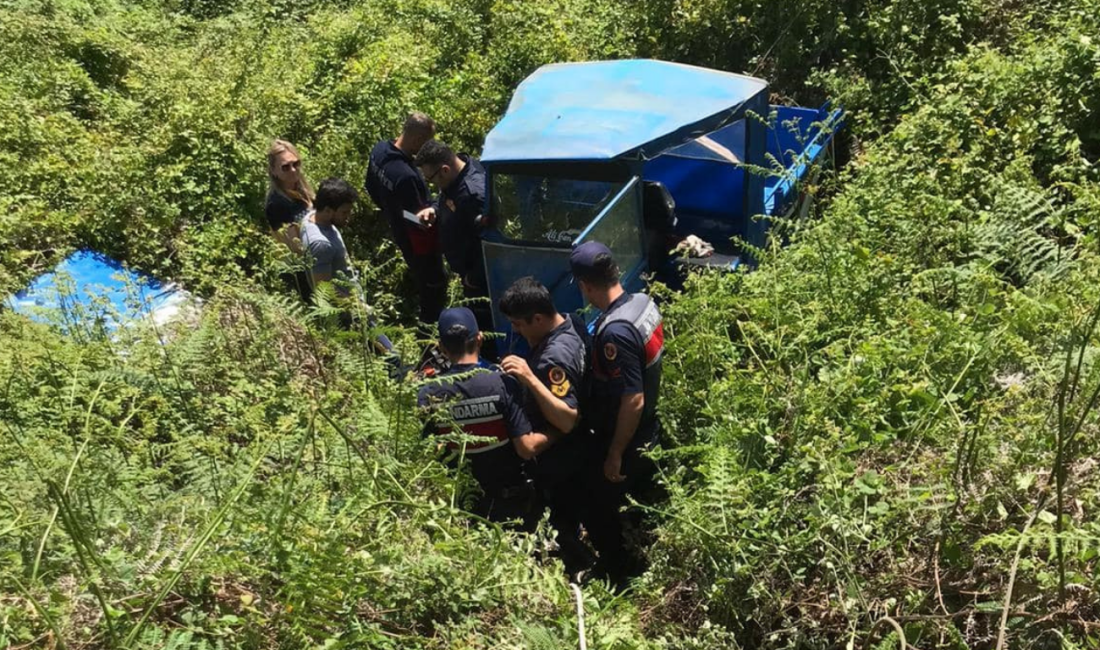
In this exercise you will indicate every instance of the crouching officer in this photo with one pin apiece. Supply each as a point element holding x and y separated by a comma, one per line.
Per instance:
<point>553,375</point>
<point>479,400</point>
<point>459,214</point>
<point>626,378</point>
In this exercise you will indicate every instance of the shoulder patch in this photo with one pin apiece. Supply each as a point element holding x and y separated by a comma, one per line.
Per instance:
<point>610,351</point>
<point>559,383</point>
<point>557,375</point>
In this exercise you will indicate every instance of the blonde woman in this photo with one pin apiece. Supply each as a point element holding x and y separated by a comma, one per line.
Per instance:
<point>289,198</point>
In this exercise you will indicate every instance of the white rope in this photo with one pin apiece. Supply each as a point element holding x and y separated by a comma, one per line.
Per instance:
<point>579,597</point>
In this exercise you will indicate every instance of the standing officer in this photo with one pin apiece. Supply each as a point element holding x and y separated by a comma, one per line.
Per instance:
<point>626,373</point>
<point>460,216</point>
<point>396,187</point>
<point>480,401</point>
<point>553,374</point>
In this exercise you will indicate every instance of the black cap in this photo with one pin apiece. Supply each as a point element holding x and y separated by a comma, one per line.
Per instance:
<point>457,324</point>
<point>582,261</point>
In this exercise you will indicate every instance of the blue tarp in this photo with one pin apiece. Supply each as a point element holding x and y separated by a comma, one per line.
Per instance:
<point>87,288</point>
<point>603,110</point>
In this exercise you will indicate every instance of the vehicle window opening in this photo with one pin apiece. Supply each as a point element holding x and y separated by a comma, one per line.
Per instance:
<point>548,209</point>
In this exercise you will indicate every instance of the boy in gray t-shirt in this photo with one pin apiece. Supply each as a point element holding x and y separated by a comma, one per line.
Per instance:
<point>320,238</point>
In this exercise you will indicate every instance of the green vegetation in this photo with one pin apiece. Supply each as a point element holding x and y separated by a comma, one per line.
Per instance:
<point>888,430</point>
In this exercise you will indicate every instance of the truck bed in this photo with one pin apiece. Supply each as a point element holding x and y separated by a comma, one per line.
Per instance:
<point>707,179</point>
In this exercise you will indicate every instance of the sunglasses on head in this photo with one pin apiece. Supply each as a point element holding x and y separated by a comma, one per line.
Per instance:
<point>293,164</point>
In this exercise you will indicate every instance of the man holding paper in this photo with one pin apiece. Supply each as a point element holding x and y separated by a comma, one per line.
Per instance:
<point>460,216</point>
<point>398,189</point>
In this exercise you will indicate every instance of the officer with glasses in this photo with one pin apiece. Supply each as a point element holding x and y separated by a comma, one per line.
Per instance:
<point>460,217</point>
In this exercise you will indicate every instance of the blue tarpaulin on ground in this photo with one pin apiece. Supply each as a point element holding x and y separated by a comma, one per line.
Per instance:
<point>602,110</point>
<point>91,288</point>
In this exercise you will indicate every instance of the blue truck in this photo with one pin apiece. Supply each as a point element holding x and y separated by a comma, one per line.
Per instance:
<point>638,154</point>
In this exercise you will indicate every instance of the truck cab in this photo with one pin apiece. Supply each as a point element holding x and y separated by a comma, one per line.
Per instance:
<point>638,154</point>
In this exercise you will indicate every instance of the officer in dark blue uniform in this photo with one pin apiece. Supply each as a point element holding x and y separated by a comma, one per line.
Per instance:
<point>397,188</point>
<point>627,346</point>
<point>479,400</point>
<point>553,374</point>
<point>460,215</point>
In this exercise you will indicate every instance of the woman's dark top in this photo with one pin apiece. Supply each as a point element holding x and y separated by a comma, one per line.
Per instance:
<point>281,210</point>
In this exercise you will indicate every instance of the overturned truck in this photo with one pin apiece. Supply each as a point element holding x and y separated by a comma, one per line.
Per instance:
<point>639,154</point>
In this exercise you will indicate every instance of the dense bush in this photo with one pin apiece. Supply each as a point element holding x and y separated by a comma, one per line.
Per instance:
<point>247,484</point>
<point>151,147</point>
<point>878,425</point>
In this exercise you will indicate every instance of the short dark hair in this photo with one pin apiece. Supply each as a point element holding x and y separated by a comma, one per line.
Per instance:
<point>525,298</point>
<point>458,341</point>
<point>434,152</point>
<point>603,273</point>
<point>334,193</point>
<point>418,124</point>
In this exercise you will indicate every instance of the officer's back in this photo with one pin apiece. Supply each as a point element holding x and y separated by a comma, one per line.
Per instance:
<point>479,401</point>
<point>474,399</point>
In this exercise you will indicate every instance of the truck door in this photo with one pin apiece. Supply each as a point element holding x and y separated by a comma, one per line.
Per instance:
<point>540,219</point>
<point>619,227</point>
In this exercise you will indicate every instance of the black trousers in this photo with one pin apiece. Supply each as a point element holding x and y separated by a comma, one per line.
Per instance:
<point>560,476</point>
<point>602,518</point>
<point>502,505</point>
<point>298,282</point>
<point>430,279</point>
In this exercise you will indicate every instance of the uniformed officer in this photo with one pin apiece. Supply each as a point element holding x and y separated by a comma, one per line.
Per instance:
<point>459,214</point>
<point>479,400</point>
<point>553,374</point>
<point>626,377</point>
<point>397,188</point>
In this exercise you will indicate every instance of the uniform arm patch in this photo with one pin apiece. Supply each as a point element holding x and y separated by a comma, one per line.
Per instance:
<point>559,382</point>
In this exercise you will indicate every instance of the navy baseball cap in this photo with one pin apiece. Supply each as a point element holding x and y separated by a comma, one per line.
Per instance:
<point>582,261</point>
<point>457,323</point>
